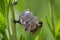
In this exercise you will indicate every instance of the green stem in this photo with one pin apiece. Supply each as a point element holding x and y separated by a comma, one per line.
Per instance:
<point>49,24</point>
<point>52,16</point>
<point>14,35</point>
<point>7,20</point>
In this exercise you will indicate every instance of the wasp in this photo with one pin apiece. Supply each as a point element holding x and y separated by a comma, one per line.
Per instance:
<point>28,21</point>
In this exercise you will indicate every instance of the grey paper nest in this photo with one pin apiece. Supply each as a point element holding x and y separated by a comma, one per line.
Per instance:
<point>28,20</point>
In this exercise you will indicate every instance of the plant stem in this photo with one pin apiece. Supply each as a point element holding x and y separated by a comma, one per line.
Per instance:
<point>12,21</point>
<point>52,16</point>
<point>49,24</point>
<point>7,20</point>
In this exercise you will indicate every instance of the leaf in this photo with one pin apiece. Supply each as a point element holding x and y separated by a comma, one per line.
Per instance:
<point>57,29</point>
<point>2,26</point>
<point>58,37</point>
<point>22,37</point>
<point>2,7</point>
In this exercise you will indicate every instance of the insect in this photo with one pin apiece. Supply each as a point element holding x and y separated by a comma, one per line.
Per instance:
<point>29,22</point>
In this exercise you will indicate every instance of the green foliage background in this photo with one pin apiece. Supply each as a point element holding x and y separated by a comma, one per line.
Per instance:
<point>47,11</point>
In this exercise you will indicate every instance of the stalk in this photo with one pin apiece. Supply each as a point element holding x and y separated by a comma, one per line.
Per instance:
<point>7,20</point>
<point>52,16</point>
<point>14,34</point>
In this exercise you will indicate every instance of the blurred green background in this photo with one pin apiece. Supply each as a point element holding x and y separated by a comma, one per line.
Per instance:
<point>47,11</point>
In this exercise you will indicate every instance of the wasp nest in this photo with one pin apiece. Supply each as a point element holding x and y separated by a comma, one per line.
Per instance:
<point>28,20</point>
